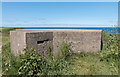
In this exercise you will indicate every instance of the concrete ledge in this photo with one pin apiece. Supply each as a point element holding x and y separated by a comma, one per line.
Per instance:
<point>41,39</point>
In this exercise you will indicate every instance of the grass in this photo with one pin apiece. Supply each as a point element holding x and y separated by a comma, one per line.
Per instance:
<point>80,63</point>
<point>0,63</point>
<point>4,40</point>
<point>88,64</point>
<point>5,35</point>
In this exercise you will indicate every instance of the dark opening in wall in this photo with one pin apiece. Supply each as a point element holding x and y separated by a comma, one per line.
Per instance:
<point>40,42</point>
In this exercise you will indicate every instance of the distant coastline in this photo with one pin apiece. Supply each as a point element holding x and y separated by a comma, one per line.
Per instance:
<point>115,30</point>
<point>111,30</point>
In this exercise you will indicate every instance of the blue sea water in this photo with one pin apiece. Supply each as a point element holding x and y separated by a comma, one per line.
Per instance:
<point>110,30</point>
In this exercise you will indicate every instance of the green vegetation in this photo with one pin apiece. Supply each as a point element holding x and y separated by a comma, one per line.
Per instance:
<point>41,64</point>
<point>110,50</point>
<point>104,62</point>
<point>4,43</point>
<point>5,35</point>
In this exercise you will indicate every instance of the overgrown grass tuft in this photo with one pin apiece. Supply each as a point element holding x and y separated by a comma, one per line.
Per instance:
<point>110,50</point>
<point>10,63</point>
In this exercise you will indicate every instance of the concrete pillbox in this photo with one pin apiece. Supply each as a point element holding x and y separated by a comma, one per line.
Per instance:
<point>42,39</point>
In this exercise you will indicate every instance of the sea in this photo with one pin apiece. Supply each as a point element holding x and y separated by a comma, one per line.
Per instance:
<point>110,30</point>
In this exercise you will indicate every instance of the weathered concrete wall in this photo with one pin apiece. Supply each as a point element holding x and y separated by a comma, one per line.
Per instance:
<point>17,41</point>
<point>41,39</point>
<point>38,40</point>
<point>87,41</point>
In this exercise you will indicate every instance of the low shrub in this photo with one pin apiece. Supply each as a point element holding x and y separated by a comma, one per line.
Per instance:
<point>110,50</point>
<point>33,63</point>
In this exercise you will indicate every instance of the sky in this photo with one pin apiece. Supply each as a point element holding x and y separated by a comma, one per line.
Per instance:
<point>59,13</point>
<point>60,0</point>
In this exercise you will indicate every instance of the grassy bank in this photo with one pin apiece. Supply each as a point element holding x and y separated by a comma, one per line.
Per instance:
<point>104,62</point>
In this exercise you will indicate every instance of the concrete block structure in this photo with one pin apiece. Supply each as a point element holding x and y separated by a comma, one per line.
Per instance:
<point>42,39</point>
